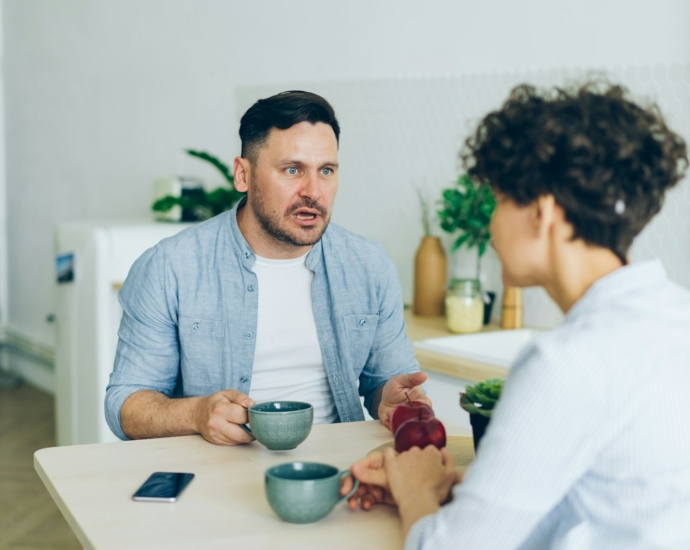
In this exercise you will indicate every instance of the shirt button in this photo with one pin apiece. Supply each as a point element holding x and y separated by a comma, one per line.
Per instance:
<point>247,255</point>
<point>244,379</point>
<point>362,322</point>
<point>336,380</point>
<point>247,335</point>
<point>195,326</point>
<point>250,288</point>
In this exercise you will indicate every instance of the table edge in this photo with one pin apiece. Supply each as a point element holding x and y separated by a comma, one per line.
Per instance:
<point>62,506</point>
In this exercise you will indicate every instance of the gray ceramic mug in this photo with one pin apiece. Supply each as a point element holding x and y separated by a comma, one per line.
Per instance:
<point>280,425</point>
<point>305,492</point>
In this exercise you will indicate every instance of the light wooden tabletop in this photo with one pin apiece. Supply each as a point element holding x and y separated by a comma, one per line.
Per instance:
<point>224,506</point>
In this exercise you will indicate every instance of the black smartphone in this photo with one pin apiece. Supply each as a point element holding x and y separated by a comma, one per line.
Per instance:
<point>163,487</point>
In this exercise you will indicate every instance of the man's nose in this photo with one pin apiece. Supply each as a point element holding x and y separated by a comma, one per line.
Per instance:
<point>310,186</point>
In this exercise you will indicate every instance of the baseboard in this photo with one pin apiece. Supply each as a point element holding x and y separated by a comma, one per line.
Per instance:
<point>32,360</point>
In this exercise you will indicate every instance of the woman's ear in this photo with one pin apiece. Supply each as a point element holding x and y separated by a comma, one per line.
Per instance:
<point>543,215</point>
<point>241,173</point>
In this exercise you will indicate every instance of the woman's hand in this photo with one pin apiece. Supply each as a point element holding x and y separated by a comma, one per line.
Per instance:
<point>419,480</point>
<point>418,472</point>
<point>373,484</point>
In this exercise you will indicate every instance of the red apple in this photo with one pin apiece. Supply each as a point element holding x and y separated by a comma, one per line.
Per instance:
<point>420,432</point>
<point>407,410</point>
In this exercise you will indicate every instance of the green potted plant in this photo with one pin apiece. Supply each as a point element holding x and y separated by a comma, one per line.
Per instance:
<point>479,400</point>
<point>465,211</point>
<point>198,204</point>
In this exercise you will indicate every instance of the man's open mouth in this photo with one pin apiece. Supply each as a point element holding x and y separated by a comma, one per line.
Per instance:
<point>306,214</point>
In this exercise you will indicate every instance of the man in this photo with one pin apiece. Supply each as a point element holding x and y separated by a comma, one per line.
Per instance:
<point>265,302</point>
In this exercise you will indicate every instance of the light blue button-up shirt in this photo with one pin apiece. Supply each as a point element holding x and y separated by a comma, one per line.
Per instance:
<point>190,318</point>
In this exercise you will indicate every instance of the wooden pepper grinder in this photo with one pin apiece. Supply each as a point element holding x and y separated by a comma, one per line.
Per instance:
<point>430,273</point>
<point>512,308</point>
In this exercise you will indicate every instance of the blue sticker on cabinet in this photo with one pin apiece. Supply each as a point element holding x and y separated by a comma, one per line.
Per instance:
<point>65,267</point>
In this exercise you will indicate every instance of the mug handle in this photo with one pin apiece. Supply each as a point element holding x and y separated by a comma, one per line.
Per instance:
<point>354,488</point>
<point>245,427</point>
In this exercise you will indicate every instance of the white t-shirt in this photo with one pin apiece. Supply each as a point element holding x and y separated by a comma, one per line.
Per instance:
<point>287,361</point>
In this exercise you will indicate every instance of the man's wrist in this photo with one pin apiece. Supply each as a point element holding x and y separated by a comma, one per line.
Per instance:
<point>376,401</point>
<point>195,414</point>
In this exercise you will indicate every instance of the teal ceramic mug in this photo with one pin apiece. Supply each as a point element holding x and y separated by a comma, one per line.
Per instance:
<point>280,425</point>
<point>305,492</point>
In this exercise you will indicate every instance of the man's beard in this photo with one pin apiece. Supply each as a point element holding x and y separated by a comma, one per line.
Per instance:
<point>270,223</point>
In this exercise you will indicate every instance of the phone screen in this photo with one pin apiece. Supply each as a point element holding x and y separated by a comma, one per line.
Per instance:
<point>163,486</point>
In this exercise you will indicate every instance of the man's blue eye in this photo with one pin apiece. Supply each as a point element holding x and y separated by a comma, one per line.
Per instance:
<point>327,171</point>
<point>292,170</point>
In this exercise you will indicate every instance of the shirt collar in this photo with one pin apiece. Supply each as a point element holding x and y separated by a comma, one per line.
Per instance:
<point>637,276</point>
<point>245,252</point>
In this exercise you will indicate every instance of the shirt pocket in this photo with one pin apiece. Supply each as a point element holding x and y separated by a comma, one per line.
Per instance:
<point>360,330</point>
<point>201,355</point>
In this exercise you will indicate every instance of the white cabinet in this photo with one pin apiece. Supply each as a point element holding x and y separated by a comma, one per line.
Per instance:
<point>88,316</point>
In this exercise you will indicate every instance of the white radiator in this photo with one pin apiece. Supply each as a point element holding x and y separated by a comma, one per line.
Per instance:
<point>88,316</point>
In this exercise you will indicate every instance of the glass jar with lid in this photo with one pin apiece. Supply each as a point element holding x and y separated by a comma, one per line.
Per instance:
<point>464,306</point>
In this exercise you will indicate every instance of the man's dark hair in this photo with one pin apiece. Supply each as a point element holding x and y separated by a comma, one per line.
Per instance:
<point>606,160</point>
<point>282,111</point>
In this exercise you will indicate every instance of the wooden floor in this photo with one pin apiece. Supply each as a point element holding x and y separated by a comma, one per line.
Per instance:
<point>29,519</point>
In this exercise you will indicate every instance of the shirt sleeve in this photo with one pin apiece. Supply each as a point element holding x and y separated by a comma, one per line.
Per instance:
<point>147,355</point>
<point>391,352</point>
<point>544,435</point>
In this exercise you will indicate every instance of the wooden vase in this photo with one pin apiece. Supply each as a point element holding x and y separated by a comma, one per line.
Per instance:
<point>512,308</point>
<point>430,273</point>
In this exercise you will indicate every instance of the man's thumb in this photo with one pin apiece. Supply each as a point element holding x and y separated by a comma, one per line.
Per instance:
<point>238,397</point>
<point>414,379</point>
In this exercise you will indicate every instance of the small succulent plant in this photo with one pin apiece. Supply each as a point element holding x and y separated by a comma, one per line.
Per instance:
<point>482,397</point>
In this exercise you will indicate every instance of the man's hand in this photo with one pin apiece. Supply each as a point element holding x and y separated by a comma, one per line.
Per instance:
<point>218,415</point>
<point>397,390</point>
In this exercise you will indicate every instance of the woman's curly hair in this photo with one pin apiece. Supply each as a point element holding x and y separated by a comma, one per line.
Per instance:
<point>606,160</point>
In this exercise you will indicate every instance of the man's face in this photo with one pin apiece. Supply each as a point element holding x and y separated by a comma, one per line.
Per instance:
<point>293,184</point>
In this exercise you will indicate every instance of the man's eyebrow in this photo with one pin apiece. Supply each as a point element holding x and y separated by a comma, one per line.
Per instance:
<point>290,162</point>
<point>295,162</point>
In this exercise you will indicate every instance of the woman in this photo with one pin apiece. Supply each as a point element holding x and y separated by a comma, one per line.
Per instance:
<point>589,446</point>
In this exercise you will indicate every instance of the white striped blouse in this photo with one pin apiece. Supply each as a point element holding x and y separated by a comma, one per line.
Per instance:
<point>589,446</point>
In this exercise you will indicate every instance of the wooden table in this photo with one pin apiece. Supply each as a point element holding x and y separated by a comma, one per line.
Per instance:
<point>421,328</point>
<point>223,507</point>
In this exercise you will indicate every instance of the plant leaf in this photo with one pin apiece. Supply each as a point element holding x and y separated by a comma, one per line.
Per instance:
<point>467,208</point>
<point>215,161</point>
<point>165,204</point>
<point>471,408</point>
<point>460,241</point>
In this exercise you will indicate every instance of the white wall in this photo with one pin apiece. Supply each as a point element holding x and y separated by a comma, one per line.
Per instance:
<point>4,305</point>
<point>101,95</point>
